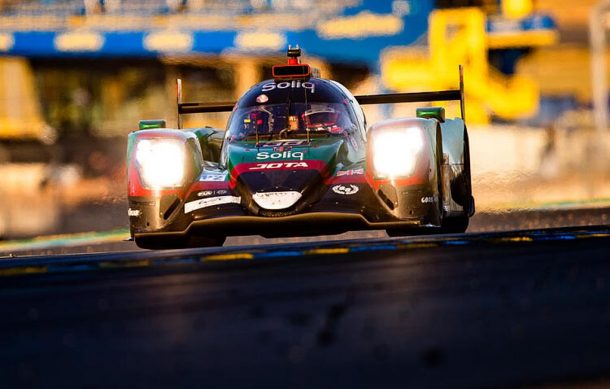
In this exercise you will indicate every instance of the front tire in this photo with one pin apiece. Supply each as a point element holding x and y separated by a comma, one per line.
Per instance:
<point>461,192</point>
<point>397,232</point>
<point>455,225</point>
<point>164,243</point>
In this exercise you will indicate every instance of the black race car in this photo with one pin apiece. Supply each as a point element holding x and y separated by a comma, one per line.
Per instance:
<point>297,158</point>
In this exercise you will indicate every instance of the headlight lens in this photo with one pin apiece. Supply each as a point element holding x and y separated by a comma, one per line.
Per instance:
<point>161,162</point>
<point>395,152</point>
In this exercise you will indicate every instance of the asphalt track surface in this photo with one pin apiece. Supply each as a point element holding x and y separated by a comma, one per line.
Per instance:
<point>522,308</point>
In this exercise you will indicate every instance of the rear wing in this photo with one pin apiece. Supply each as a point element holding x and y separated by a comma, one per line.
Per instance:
<point>388,98</point>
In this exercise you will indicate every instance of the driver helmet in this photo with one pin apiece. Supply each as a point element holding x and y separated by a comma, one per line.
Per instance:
<point>323,118</point>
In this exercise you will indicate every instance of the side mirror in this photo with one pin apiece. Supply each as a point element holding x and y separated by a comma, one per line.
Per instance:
<point>437,113</point>
<point>152,124</point>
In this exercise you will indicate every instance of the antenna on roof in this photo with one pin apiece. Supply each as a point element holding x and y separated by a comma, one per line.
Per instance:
<point>179,100</point>
<point>294,54</point>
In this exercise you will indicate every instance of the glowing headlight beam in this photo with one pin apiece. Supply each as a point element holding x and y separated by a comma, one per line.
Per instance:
<point>395,152</point>
<point>161,162</point>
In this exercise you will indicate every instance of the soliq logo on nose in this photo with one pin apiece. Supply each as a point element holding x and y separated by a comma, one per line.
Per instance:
<point>284,155</point>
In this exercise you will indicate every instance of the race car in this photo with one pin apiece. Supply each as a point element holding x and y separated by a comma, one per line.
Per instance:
<point>296,158</point>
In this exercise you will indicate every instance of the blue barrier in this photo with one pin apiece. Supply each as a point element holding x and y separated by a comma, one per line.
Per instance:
<point>350,32</point>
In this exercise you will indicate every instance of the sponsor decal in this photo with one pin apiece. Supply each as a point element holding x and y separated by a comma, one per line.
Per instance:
<point>6,42</point>
<point>260,40</point>
<point>133,212</point>
<point>262,99</point>
<point>290,84</point>
<point>213,177</point>
<point>205,193</point>
<point>208,193</point>
<point>278,165</point>
<point>281,155</point>
<point>283,143</point>
<point>210,202</point>
<point>428,199</point>
<point>276,200</point>
<point>364,24</point>
<point>79,41</point>
<point>168,41</point>
<point>351,172</point>
<point>345,189</point>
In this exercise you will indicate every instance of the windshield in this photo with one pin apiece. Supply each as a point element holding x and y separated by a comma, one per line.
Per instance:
<point>289,120</point>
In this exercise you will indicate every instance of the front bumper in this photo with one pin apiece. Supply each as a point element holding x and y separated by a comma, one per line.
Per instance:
<point>313,223</point>
<point>335,212</point>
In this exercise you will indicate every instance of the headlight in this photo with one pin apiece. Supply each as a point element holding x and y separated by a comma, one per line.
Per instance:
<point>395,152</point>
<point>161,162</point>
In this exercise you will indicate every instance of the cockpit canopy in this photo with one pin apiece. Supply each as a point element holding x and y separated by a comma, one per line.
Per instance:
<point>290,120</point>
<point>293,109</point>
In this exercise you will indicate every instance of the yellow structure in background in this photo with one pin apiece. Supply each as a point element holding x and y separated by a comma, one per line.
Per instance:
<point>515,9</point>
<point>20,114</point>
<point>458,36</point>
